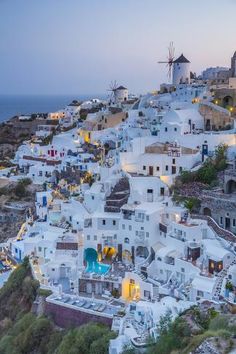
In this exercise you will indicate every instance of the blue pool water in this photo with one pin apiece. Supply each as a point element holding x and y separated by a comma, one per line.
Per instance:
<point>96,267</point>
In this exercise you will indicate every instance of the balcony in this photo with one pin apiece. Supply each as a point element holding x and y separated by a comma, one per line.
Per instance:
<point>108,241</point>
<point>139,219</point>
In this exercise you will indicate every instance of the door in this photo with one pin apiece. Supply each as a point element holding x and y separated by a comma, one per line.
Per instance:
<point>150,195</point>
<point>227,223</point>
<point>173,170</point>
<point>151,170</point>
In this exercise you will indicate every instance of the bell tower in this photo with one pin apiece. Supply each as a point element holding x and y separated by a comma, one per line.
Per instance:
<point>233,65</point>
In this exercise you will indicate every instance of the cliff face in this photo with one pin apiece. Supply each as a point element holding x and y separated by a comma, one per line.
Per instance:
<point>22,332</point>
<point>15,131</point>
<point>12,134</point>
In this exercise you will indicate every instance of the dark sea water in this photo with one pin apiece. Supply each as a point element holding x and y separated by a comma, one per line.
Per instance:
<point>11,105</point>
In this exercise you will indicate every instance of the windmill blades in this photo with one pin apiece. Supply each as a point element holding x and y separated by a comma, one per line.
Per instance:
<point>115,85</point>
<point>170,59</point>
<point>171,50</point>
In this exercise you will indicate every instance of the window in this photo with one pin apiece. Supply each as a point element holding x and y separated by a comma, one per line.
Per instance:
<point>136,233</point>
<point>144,168</point>
<point>175,129</point>
<point>182,270</point>
<point>147,217</point>
<point>150,190</point>
<point>161,271</point>
<point>92,197</point>
<point>147,234</point>
<point>40,249</point>
<point>166,129</point>
<point>130,227</point>
<point>142,228</point>
<point>180,169</point>
<point>103,222</point>
<point>147,294</point>
<point>115,237</point>
<point>123,226</point>
<point>114,222</point>
<point>221,220</point>
<point>95,237</point>
<point>167,167</point>
<point>158,168</point>
<point>126,240</point>
<point>234,222</point>
<point>200,293</point>
<point>88,237</point>
<point>173,161</point>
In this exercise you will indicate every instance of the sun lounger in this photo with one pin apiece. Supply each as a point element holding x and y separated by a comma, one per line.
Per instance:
<point>96,307</point>
<point>101,308</point>
<point>87,305</point>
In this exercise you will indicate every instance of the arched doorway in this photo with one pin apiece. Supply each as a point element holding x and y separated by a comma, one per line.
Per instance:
<point>142,252</point>
<point>207,211</point>
<point>127,257</point>
<point>109,253</point>
<point>231,186</point>
<point>227,101</point>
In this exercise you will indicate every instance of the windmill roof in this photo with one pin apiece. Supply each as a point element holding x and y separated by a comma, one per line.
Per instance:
<point>121,88</point>
<point>181,59</point>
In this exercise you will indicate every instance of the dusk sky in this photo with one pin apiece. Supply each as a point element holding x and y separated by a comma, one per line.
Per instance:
<point>79,46</point>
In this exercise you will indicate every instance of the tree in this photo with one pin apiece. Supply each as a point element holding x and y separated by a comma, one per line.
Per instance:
<point>229,286</point>
<point>20,190</point>
<point>207,173</point>
<point>191,204</point>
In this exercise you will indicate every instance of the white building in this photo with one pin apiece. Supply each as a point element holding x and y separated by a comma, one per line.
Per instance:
<point>181,71</point>
<point>121,94</point>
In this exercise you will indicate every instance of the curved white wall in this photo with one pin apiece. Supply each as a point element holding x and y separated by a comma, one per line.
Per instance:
<point>181,73</point>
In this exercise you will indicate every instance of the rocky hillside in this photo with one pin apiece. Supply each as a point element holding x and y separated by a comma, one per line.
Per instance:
<point>22,332</point>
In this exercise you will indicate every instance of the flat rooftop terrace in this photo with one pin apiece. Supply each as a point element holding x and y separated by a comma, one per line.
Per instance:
<point>89,305</point>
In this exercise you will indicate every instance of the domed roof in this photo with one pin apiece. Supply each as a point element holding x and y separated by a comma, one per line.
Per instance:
<point>121,88</point>
<point>181,116</point>
<point>181,59</point>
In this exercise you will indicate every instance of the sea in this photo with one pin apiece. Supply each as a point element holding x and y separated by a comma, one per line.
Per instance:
<point>12,105</point>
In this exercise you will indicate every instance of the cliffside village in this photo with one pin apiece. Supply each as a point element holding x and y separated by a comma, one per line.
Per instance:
<point>106,235</point>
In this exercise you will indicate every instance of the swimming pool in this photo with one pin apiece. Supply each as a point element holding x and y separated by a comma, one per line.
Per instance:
<point>99,268</point>
<point>93,266</point>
